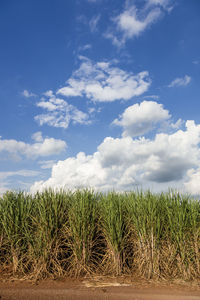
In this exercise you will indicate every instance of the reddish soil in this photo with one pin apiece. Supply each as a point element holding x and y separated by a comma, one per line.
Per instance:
<point>98,288</point>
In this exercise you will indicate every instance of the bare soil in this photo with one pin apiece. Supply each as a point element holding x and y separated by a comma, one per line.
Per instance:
<point>98,288</point>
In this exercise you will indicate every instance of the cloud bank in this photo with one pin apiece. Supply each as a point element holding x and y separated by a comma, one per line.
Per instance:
<point>167,159</point>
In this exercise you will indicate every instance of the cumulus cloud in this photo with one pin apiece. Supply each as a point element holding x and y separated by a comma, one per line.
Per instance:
<point>105,83</point>
<point>41,147</point>
<point>139,119</point>
<point>124,163</point>
<point>133,21</point>
<point>28,94</point>
<point>59,112</point>
<point>180,81</point>
<point>192,185</point>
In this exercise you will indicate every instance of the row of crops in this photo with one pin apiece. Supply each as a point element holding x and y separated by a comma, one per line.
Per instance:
<point>64,233</point>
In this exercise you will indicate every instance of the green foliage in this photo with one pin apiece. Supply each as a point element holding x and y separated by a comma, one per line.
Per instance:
<point>81,230</point>
<point>115,231</point>
<point>64,233</point>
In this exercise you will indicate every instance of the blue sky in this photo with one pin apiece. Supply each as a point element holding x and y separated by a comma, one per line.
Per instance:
<point>100,93</point>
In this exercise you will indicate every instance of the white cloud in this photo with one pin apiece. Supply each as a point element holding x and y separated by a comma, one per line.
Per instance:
<point>93,23</point>
<point>28,94</point>
<point>85,47</point>
<point>125,163</point>
<point>37,136</point>
<point>130,23</point>
<point>164,3</point>
<point>60,113</point>
<point>24,173</point>
<point>41,147</point>
<point>46,164</point>
<point>139,119</point>
<point>180,81</point>
<point>94,110</point>
<point>48,93</point>
<point>152,2</point>
<point>192,185</point>
<point>134,21</point>
<point>178,124</point>
<point>91,110</point>
<point>105,83</point>
<point>155,97</point>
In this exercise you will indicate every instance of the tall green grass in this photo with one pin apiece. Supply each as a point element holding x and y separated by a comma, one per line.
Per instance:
<point>114,226</point>
<point>15,212</point>
<point>64,233</point>
<point>81,231</point>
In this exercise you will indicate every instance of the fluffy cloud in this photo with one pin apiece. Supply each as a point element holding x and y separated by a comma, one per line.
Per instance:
<point>125,163</point>
<point>180,81</point>
<point>139,119</point>
<point>59,112</point>
<point>41,147</point>
<point>48,93</point>
<point>105,83</point>
<point>132,22</point>
<point>192,185</point>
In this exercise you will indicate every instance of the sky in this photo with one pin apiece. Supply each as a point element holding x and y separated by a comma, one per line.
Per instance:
<point>103,94</point>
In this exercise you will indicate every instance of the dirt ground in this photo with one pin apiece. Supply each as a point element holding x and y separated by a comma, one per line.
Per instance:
<point>98,288</point>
